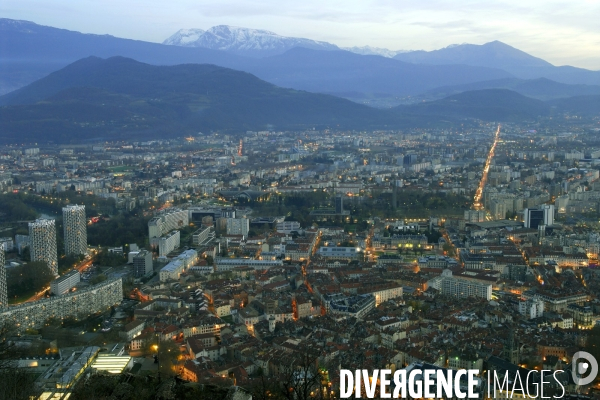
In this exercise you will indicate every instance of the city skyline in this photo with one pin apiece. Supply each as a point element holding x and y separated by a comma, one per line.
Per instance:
<point>250,212</point>
<point>563,33</point>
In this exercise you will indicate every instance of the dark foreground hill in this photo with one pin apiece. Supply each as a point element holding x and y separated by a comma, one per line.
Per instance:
<point>119,98</point>
<point>487,105</point>
<point>541,89</point>
<point>578,105</point>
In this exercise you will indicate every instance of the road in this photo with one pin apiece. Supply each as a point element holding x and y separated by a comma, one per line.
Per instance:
<point>81,267</point>
<point>479,193</point>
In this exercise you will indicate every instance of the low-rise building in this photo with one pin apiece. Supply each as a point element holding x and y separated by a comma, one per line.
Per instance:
<point>65,283</point>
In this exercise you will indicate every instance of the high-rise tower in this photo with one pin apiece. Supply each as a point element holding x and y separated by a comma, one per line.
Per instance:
<point>42,243</point>
<point>75,228</point>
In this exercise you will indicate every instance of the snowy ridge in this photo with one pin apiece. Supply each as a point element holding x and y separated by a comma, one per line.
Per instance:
<point>184,37</point>
<point>374,51</point>
<point>243,40</point>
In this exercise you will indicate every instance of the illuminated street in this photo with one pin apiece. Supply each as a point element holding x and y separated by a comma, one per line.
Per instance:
<point>477,200</point>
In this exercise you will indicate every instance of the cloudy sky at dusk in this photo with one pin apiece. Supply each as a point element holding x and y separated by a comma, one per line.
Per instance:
<point>561,32</point>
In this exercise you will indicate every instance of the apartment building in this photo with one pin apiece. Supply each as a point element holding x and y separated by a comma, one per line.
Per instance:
<point>78,304</point>
<point>42,243</point>
<point>75,229</point>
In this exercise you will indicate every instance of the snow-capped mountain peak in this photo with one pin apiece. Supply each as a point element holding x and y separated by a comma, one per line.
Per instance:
<point>244,41</point>
<point>184,37</point>
<point>374,51</point>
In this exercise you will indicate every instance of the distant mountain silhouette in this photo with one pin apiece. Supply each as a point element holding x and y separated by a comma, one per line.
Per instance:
<point>578,105</point>
<point>342,71</point>
<point>500,55</point>
<point>487,105</point>
<point>29,51</point>
<point>541,88</point>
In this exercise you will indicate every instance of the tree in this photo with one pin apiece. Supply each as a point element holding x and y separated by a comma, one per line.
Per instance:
<point>17,384</point>
<point>592,344</point>
<point>167,353</point>
<point>108,259</point>
<point>301,379</point>
<point>98,279</point>
<point>26,280</point>
<point>265,388</point>
<point>448,248</point>
<point>26,254</point>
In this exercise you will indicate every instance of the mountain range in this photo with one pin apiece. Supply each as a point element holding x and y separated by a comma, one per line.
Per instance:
<point>540,88</point>
<point>495,54</point>
<point>65,86</point>
<point>258,42</point>
<point>114,98</point>
<point>243,41</point>
<point>500,55</point>
<point>29,51</point>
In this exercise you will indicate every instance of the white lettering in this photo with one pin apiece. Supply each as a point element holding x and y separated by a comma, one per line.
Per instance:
<point>472,382</point>
<point>384,383</point>
<point>534,383</point>
<point>370,383</point>
<point>412,385</point>
<point>542,384</point>
<point>457,392</point>
<point>444,383</point>
<point>346,383</point>
<point>520,388</point>
<point>428,383</point>
<point>560,383</point>
<point>497,382</point>
<point>400,383</point>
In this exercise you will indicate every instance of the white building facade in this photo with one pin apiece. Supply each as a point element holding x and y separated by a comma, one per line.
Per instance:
<point>238,226</point>
<point>532,308</point>
<point>459,287</point>
<point>63,284</point>
<point>167,243</point>
<point>169,220</point>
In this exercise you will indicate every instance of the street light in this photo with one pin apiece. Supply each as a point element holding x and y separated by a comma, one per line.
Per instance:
<point>155,348</point>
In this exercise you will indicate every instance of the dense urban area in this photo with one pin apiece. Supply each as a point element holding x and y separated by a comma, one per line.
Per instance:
<point>259,265</point>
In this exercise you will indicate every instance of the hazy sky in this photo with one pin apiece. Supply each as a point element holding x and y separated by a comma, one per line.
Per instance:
<point>561,32</point>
